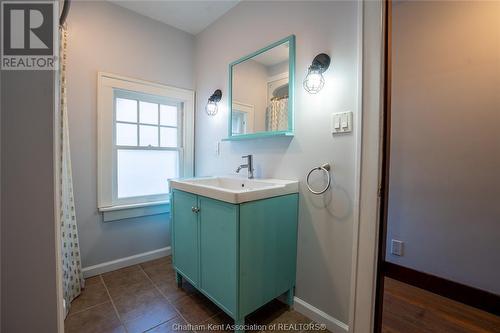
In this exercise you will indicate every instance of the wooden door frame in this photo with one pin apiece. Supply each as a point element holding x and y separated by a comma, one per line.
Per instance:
<point>385,166</point>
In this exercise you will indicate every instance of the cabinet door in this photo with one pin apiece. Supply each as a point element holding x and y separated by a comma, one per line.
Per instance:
<point>218,241</point>
<point>185,235</point>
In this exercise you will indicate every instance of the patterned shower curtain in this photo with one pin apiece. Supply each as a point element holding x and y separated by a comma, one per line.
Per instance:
<point>277,114</point>
<point>70,250</point>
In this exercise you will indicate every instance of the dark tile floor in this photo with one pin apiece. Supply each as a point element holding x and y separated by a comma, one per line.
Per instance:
<point>145,298</point>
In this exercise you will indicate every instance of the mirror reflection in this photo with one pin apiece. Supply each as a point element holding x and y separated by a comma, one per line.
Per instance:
<point>260,92</point>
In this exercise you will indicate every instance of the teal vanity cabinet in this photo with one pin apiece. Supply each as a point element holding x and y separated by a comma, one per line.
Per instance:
<point>241,256</point>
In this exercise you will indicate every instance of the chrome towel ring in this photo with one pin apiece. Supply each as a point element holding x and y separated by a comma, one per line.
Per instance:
<point>325,168</point>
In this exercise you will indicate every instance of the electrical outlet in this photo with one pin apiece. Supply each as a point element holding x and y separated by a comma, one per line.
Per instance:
<point>397,247</point>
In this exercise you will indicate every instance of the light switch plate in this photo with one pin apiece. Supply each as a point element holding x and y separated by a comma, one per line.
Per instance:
<point>341,122</point>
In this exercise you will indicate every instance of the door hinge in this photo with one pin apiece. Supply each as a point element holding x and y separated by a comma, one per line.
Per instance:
<point>380,191</point>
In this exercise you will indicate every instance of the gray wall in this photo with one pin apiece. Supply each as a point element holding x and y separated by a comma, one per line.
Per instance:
<point>250,87</point>
<point>105,37</point>
<point>28,263</point>
<point>445,151</point>
<point>326,222</point>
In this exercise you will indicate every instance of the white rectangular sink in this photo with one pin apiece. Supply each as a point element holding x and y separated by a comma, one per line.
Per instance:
<point>235,189</point>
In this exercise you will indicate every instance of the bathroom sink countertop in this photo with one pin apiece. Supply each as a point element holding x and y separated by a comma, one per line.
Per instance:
<point>235,189</point>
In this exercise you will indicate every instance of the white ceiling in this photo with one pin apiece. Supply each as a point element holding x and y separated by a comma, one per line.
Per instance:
<point>273,56</point>
<point>187,15</point>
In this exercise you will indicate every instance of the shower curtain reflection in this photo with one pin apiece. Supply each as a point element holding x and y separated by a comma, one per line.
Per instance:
<point>277,114</point>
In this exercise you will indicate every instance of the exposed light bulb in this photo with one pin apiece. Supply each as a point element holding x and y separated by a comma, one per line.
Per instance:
<point>314,81</point>
<point>211,108</point>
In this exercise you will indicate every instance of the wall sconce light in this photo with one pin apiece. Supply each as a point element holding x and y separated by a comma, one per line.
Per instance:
<point>211,107</point>
<point>314,80</point>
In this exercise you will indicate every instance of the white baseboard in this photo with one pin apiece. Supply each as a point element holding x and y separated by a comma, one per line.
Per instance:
<point>124,262</point>
<point>334,325</point>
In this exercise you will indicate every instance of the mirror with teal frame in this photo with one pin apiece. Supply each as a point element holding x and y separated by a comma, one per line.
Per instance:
<point>261,92</point>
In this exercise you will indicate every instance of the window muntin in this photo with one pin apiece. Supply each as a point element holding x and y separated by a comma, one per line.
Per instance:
<point>147,145</point>
<point>176,116</point>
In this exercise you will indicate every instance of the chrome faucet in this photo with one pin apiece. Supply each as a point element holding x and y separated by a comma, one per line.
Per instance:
<point>249,166</point>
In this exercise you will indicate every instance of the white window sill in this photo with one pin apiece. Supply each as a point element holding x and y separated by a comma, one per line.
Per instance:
<point>121,212</point>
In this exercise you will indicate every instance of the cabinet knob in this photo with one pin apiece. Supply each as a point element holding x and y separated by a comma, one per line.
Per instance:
<point>195,209</point>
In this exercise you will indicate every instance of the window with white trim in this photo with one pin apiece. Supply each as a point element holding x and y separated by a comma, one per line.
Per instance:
<point>145,138</point>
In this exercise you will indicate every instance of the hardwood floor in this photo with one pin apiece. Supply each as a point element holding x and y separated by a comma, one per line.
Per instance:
<point>408,309</point>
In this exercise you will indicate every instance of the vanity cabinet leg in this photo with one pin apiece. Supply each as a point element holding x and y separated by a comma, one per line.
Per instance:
<point>178,279</point>
<point>289,297</point>
<point>240,324</point>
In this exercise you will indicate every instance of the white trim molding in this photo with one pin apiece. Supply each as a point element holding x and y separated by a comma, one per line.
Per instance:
<point>131,206</point>
<point>113,265</point>
<point>121,212</point>
<point>333,324</point>
<point>359,123</point>
<point>249,110</point>
<point>365,250</point>
<point>109,86</point>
